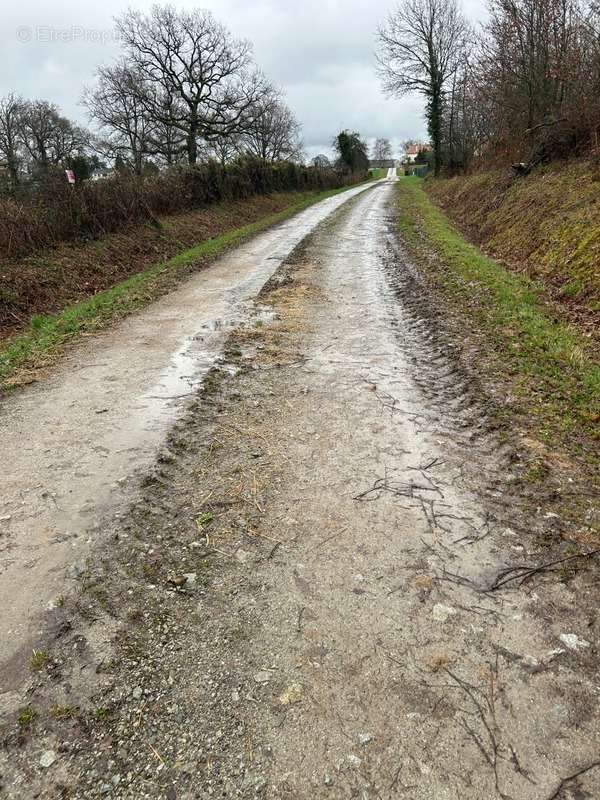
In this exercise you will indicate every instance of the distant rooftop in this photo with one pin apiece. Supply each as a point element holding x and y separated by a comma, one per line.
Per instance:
<point>415,149</point>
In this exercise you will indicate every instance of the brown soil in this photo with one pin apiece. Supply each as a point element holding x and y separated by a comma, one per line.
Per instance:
<point>50,280</point>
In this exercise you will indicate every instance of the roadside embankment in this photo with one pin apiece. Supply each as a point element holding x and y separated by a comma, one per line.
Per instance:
<point>541,369</point>
<point>52,296</point>
<point>545,225</point>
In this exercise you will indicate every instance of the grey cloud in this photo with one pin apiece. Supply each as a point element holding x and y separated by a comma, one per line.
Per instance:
<point>319,51</point>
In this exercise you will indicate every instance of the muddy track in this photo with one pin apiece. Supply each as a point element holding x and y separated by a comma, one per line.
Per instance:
<point>306,599</point>
<point>74,444</point>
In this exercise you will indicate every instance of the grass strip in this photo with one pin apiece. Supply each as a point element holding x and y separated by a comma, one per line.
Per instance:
<point>48,335</point>
<point>553,377</point>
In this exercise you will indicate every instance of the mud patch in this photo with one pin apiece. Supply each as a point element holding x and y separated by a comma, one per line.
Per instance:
<point>297,592</point>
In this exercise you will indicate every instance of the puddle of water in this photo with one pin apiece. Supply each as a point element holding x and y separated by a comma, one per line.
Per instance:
<point>71,443</point>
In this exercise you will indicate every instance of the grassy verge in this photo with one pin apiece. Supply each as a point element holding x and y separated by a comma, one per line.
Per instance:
<point>545,224</point>
<point>48,335</point>
<point>545,365</point>
<point>376,174</point>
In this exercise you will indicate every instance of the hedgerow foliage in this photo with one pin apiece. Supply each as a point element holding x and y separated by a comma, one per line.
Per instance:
<point>57,212</point>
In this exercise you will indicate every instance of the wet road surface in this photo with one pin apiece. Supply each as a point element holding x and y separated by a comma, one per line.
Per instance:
<point>411,679</point>
<point>70,444</point>
<point>347,641</point>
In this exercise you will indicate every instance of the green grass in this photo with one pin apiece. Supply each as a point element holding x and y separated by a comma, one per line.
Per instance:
<point>38,660</point>
<point>551,372</point>
<point>547,222</point>
<point>27,715</point>
<point>376,174</point>
<point>48,335</point>
<point>64,712</point>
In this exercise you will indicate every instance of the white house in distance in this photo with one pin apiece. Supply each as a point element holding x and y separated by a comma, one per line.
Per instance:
<point>413,150</point>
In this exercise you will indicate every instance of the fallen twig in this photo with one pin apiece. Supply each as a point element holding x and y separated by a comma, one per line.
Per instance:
<point>524,573</point>
<point>572,777</point>
<point>274,549</point>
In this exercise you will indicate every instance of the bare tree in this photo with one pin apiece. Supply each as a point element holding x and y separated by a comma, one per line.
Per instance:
<point>321,162</point>
<point>382,150</point>
<point>167,141</point>
<point>194,59</point>
<point>49,138</point>
<point>419,50</point>
<point>530,86</point>
<point>38,119</point>
<point>274,133</point>
<point>225,149</point>
<point>531,68</point>
<point>11,108</point>
<point>115,104</point>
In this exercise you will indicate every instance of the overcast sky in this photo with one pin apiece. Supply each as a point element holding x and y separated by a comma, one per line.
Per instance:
<point>319,51</point>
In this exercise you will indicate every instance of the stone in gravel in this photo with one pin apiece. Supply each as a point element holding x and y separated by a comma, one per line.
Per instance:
<point>264,676</point>
<point>177,580</point>
<point>190,578</point>
<point>137,693</point>
<point>573,642</point>
<point>365,738</point>
<point>293,694</point>
<point>47,758</point>
<point>75,571</point>
<point>242,556</point>
<point>354,760</point>
<point>550,656</point>
<point>442,612</point>
<point>328,780</point>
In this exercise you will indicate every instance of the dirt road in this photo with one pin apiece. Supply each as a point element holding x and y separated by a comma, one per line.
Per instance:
<point>344,512</point>
<point>71,444</point>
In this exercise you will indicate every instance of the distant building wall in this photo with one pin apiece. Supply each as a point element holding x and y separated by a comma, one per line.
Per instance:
<point>389,163</point>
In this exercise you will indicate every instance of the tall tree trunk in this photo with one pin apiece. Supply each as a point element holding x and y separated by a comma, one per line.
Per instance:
<point>13,171</point>
<point>192,139</point>
<point>434,114</point>
<point>192,147</point>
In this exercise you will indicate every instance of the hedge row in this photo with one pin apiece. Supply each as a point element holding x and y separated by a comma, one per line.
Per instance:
<point>58,212</point>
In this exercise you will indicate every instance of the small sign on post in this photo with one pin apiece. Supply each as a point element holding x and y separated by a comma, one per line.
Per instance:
<point>70,176</point>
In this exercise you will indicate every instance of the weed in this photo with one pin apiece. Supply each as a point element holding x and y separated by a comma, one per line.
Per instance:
<point>64,712</point>
<point>573,288</point>
<point>536,472</point>
<point>27,716</point>
<point>38,660</point>
<point>150,571</point>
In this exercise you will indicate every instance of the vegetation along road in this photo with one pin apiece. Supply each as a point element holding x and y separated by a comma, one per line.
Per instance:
<point>268,538</point>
